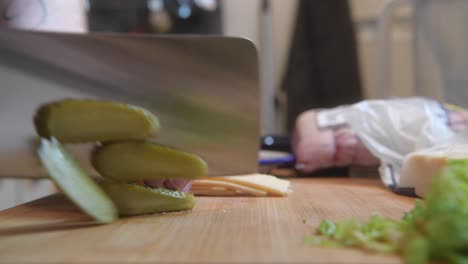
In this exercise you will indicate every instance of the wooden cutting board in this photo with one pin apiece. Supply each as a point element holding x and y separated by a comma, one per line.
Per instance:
<point>230,229</point>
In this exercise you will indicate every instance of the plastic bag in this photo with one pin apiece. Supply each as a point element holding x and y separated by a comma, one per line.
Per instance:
<point>391,129</point>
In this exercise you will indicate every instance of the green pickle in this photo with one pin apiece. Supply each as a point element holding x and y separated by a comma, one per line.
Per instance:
<point>132,199</point>
<point>75,183</point>
<point>122,158</point>
<point>130,161</point>
<point>80,121</point>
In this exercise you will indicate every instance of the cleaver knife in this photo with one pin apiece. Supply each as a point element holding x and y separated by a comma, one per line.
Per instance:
<point>204,90</point>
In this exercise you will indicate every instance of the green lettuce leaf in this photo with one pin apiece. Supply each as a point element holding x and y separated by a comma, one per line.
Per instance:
<point>435,229</point>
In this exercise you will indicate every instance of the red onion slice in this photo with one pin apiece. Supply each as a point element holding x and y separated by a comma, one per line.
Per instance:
<point>178,184</point>
<point>171,184</point>
<point>157,183</point>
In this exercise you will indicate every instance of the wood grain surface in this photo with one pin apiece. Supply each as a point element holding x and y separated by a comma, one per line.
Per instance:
<point>218,229</point>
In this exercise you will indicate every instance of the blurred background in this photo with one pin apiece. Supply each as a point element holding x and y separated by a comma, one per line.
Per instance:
<point>313,54</point>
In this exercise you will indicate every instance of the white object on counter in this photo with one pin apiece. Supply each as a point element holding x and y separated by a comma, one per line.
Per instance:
<point>392,129</point>
<point>419,168</point>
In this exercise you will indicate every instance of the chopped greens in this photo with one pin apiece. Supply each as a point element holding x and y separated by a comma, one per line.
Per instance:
<point>435,229</point>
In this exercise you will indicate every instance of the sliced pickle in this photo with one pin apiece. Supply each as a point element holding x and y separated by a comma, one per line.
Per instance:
<point>132,199</point>
<point>78,186</point>
<point>78,121</point>
<point>130,161</point>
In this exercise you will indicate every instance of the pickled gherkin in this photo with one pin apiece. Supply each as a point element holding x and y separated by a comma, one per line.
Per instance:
<point>123,157</point>
<point>75,183</point>
<point>80,121</point>
<point>130,161</point>
<point>132,199</point>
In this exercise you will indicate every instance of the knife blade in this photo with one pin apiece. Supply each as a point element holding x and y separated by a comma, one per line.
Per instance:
<point>204,90</point>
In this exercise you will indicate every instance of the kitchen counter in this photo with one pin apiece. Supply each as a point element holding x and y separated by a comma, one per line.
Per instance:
<point>218,229</point>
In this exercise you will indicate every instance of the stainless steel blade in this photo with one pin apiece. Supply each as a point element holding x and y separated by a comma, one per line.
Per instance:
<point>205,90</point>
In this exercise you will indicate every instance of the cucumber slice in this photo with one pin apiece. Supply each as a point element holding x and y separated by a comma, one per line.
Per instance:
<point>132,199</point>
<point>75,183</point>
<point>79,121</point>
<point>130,161</point>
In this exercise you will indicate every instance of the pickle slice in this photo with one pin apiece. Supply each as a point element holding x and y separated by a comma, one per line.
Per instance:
<point>78,121</point>
<point>130,161</point>
<point>132,199</point>
<point>79,187</point>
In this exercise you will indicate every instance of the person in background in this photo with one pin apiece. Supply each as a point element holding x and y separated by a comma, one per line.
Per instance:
<point>323,72</point>
<point>323,68</point>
